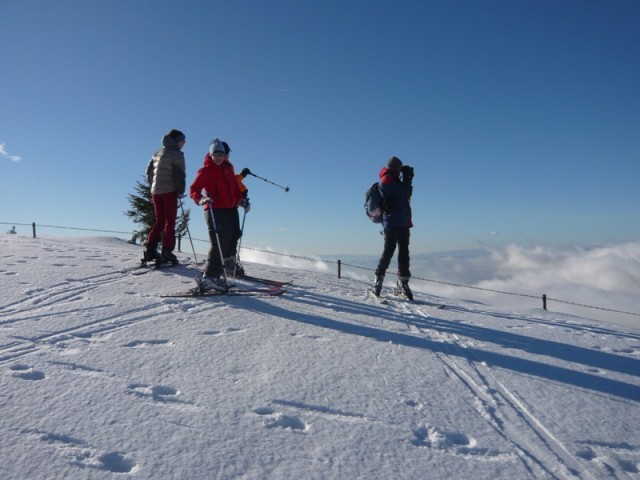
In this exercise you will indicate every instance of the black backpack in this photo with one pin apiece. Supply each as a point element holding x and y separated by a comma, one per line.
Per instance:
<point>373,203</point>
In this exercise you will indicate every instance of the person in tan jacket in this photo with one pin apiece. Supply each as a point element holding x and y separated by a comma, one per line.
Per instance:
<point>166,173</point>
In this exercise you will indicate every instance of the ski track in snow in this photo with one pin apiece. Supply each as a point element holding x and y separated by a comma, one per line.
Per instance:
<point>61,301</point>
<point>544,455</point>
<point>533,443</point>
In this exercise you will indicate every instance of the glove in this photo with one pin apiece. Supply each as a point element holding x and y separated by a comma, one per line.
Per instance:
<point>204,200</point>
<point>244,203</point>
<point>407,172</point>
<point>245,171</point>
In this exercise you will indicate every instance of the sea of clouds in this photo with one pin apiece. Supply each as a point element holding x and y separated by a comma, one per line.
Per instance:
<point>606,277</point>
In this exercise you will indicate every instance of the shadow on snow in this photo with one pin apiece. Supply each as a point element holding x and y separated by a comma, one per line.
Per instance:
<point>518,342</point>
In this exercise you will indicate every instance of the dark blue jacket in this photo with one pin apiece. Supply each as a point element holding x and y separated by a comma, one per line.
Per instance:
<point>395,195</point>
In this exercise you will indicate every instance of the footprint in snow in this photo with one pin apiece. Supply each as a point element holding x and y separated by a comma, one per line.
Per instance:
<point>413,403</point>
<point>82,454</point>
<point>310,337</point>
<point>452,442</point>
<point>26,372</point>
<point>146,343</point>
<point>273,419</point>
<point>158,393</point>
<point>625,455</point>
<point>215,333</point>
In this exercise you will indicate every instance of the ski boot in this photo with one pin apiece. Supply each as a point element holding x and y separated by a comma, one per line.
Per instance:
<point>212,283</point>
<point>233,267</point>
<point>150,255</point>
<point>376,288</point>
<point>168,257</point>
<point>239,269</point>
<point>403,288</point>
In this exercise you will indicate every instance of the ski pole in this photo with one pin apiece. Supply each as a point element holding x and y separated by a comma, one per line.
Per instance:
<point>215,229</point>
<point>195,258</point>
<point>286,189</point>
<point>235,264</point>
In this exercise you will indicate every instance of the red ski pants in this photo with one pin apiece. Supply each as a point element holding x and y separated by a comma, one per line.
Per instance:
<point>165,206</point>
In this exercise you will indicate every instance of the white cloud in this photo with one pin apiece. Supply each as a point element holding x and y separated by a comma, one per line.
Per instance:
<point>284,259</point>
<point>605,277</point>
<point>613,268</point>
<point>4,154</point>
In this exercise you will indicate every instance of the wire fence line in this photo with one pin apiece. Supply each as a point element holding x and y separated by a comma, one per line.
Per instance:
<point>340,264</point>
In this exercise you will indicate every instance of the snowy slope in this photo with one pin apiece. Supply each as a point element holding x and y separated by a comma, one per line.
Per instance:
<point>102,378</point>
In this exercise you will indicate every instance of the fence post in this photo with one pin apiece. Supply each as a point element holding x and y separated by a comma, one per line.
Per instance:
<point>33,226</point>
<point>544,301</point>
<point>339,268</point>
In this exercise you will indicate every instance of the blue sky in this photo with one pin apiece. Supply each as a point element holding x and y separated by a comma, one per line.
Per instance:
<point>521,118</point>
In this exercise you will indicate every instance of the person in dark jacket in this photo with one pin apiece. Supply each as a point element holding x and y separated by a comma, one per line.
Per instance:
<point>223,194</point>
<point>166,173</point>
<point>396,189</point>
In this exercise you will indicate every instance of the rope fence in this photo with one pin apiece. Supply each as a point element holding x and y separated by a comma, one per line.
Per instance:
<point>339,265</point>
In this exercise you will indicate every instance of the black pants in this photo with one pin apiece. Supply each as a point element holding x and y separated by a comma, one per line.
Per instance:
<point>395,236</point>
<point>228,229</point>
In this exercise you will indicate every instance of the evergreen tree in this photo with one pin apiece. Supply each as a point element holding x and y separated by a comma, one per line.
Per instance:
<point>142,213</point>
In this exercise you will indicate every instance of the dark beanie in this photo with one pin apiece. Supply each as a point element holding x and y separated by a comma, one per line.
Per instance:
<point>394,163</point>
<point>177,135</point>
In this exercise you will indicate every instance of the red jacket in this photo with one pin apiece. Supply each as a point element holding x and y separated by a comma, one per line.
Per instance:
<point>219,183</point>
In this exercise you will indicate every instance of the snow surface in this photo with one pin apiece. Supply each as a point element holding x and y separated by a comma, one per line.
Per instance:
<point>103,378</point>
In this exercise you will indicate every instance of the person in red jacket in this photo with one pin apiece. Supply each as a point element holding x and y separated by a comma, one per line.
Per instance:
<point>221,191</point>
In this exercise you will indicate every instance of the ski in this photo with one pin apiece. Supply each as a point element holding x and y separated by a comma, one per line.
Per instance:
<point>378,298</point>
<point>401,295</point>
<point>266,281</point>
<point>152,267</point>
<point>232,292</point>
<point>439,306</point>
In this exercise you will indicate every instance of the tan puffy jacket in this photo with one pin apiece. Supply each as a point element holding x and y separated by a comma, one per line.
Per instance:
<point>166,171</point>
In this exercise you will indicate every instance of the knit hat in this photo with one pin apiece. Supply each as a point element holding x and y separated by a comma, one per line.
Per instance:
<point>177,135</point>
<point>394,163</point>
<point>218,146</point>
